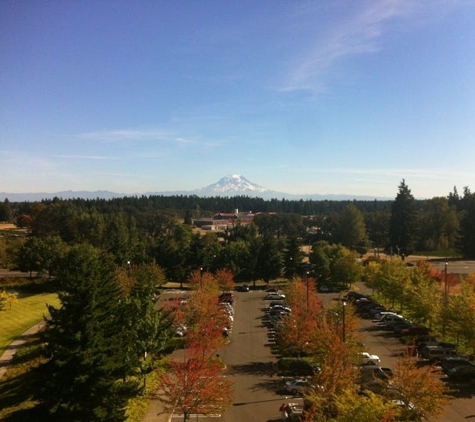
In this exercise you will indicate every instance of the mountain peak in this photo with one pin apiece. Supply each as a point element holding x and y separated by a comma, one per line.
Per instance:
<point>232,184</point>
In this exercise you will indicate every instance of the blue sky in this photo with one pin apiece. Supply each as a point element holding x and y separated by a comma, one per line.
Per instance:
<point>343,96</point>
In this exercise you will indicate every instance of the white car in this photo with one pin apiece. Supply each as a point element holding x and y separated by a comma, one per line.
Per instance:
<point>274,296</point>
<point>365,358</point>
<point>297,386</point>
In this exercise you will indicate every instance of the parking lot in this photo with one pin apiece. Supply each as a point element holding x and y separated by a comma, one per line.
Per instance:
<point>388,348</point>
<point>259,388</point>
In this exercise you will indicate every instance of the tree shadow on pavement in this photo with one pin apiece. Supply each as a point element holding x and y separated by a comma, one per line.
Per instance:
<point>254,368</point>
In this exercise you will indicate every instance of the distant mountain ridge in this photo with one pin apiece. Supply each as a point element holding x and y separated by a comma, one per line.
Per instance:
<point>231,185</point>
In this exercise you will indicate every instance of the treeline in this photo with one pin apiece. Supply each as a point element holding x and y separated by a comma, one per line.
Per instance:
<point>159,229</point>
<point>181,205</point>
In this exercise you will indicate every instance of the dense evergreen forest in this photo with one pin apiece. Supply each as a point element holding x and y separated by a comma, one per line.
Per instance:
<point>159,228</point>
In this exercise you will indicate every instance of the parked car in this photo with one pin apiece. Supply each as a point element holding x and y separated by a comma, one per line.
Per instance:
<point>226,298</point>
<point>462,373</point>
<point>274,296</point>
<point>181,330</point>
<point>379,315</point>
<point>299,367</point>
<point>298,386</point>
<point>435,352</point>
<point>365,358</point>
<point>352,295</point>
<point>243,288</point>
<point>279,307</point>
<point>387,319</point>
<point>368,372</point>
<point>452,362</point>
<point>415,330</point>
<point>374,378</point>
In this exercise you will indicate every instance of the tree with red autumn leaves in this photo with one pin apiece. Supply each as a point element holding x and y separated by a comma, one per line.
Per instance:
<point>297,328</point>
<point>196,386</point>
<point>225,280</point>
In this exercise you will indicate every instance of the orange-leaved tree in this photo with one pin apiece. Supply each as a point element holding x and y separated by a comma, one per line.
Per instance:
<point>195,385</point>
<point>297,329</point>
<point>419,392</point>
<point>203,280</point>
<point>225,280</point>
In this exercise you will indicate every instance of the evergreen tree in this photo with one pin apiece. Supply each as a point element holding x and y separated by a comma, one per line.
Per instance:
<point>467,225</point>
<point>269,264</point>
<point>149,330</point>
<point>5,210</point>
<point>292,257</point>
<point>85,375</point>
<point>402,224</point>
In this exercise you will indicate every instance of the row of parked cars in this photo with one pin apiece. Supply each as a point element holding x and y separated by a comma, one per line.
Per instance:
<point>429,349</point>
<point>226,302</point>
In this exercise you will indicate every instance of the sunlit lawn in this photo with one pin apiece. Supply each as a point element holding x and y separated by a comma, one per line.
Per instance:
<point>24,313</point>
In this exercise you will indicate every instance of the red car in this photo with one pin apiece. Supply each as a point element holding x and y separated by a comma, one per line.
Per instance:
<point>415,330</point>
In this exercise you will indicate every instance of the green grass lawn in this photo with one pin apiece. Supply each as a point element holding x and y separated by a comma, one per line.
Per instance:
<point>24,313</point>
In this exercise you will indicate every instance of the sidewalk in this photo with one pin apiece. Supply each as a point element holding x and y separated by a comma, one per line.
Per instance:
<point>12,348</point>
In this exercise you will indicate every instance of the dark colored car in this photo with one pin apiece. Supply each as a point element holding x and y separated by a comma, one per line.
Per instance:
<point>415,330</point>
<point>243,288</point>
<point>226,298</point>
<point>452,362</point>
<point>298,367</point>
<point>462,373</point>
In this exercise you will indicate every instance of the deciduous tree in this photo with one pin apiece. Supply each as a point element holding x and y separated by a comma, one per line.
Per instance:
<point>350,228</point>
<point>297,329</point>
<point>418,389</point>
<point>195,385</point>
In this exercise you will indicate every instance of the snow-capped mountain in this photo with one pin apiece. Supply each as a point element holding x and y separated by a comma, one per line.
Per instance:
<point>231,185</point>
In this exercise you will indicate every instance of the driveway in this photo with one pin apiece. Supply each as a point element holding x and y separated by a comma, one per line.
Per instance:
<point>251,364</point>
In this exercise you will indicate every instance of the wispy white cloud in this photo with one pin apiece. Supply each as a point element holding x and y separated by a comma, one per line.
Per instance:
<point>86,157</point>
<point>120,135</point>
<point>359,33</point>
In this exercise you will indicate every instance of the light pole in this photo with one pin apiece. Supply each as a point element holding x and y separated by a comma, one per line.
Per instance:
<point>307,267</point>
<point>145,373</point>
<point>446,283</point>
<point>201,278</point>
<point>446,298</point>
<point>308,272</point>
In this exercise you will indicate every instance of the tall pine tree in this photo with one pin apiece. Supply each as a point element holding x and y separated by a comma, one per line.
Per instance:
<point>402,224</point>
<point>467,225</point>
<point>85,376</point>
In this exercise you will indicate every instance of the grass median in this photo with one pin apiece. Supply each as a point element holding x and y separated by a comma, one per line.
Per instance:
<point>24,313</point>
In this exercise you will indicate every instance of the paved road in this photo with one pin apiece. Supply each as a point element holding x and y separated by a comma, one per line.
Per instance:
<point>251,364</point>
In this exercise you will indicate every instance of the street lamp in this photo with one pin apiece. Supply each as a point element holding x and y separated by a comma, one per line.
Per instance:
<point>201,277</point>
<point>446,283</point>
<point>446,298</point>
<point>308,272</point>
<point>307,267</point>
